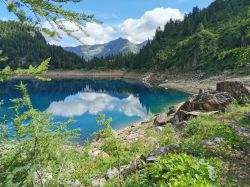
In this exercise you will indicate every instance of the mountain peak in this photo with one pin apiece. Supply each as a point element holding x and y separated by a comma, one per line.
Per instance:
<point>118,46</point>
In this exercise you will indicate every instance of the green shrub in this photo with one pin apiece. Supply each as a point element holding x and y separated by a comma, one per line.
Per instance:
<point>33,150</point>
<point>168,136</point>
<point>183,170</point>
<point>205,128</point>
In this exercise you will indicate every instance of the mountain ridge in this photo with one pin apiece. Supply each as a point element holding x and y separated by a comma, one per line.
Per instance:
<point>117,46</point>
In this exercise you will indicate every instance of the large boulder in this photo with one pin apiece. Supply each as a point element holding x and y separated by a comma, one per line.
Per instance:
<point>235,88</point>
<point>161,119</point>
<point>174,108</point>
<point>207,102</point>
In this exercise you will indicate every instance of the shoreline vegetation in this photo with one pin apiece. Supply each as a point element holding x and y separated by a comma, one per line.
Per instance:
<point>215,145</point>
<point>204,141</point>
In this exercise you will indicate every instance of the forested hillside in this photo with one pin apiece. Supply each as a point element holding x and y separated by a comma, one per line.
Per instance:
<point>211,39</point>
<point>25,46</point>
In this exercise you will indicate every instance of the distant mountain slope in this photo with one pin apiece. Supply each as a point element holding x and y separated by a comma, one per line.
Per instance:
<point>119,46</point>
<point>213,39</point>
<point>23,45</point>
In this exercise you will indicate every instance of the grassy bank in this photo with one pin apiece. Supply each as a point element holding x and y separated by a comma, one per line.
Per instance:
<point>212,151</point>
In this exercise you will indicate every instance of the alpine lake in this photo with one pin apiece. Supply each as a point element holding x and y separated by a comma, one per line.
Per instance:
<point>124,101</point>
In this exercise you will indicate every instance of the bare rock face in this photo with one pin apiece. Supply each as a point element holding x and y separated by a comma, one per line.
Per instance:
<point>235,88</point>
<point>207,102</point>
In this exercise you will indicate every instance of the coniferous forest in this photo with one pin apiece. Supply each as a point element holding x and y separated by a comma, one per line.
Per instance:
<point>24,46</point>
<point>213,39</point>
<point>201,140</point>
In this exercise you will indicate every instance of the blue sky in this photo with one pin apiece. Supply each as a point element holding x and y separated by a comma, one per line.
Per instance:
<point>122,18</point>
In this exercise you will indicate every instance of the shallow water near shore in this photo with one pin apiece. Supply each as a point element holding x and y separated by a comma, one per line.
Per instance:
<point>124,101</point>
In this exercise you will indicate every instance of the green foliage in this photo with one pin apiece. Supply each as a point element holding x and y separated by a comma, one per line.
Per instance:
<point>36,151</point>
<point>24,46</point>
<point>168,136</point>
<point>205,129</point>
<point>2,58</point>
<point>32,146</point>
<point>50,11</point>
<point>8,73</point>
<point>183,170</point>
<point>114,146</point>
<point>221,30</point>
<point>236,111</point>
<point>237,57</point>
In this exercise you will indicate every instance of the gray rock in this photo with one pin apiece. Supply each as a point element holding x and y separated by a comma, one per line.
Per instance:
<point>248,115</point>
<point>76,183</point>
<point>98,181</point>
<point>207,102</point>
<point>130,168</point>
<point>215,140</point>
<point>151,157</point>
<point>46,177</point>
<point>173,109</point>
<point>235,88</point>
<point>94,152</point>
<point>161,119</point>
<point>112,173</point>
<point>159,129</point>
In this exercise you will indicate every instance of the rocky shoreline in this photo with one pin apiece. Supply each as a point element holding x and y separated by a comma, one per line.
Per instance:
<point>190,83</point>
<point>209,102</point>
<point>185,82</point>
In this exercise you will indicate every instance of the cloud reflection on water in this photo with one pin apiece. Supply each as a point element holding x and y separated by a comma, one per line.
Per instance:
<point>93,103</point>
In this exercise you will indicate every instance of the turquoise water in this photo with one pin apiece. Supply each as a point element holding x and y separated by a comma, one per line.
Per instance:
<point>124,101</point>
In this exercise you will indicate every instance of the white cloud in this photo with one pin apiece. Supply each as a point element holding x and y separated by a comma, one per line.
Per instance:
<point>93,33</point>
<point>4,19</point>
<point>93,103</point>
<point>135,30</point>
<point>139,30</point>
<point>97,34</point>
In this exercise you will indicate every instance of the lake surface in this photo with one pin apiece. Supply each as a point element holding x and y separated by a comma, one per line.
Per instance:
<point>124,101</point>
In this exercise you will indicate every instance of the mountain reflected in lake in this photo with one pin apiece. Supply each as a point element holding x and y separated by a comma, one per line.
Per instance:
<point>124,101</point>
